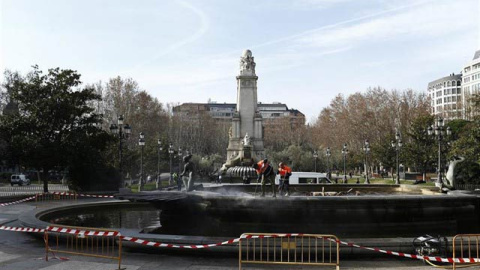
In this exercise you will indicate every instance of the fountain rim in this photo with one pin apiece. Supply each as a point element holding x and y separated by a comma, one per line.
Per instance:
<point>31,219</point>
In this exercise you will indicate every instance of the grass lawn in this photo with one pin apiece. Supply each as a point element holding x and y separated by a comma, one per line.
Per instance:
<point>390,181</point>
<point>148,186</point>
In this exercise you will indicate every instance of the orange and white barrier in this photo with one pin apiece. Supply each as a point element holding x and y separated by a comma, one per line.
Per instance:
<point>40,195</point>
<point>228,242</point>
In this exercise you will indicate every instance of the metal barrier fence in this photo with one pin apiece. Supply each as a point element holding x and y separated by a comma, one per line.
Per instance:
<point>91,242</point>
<point>41,197</point>
<point>289,249</point>
<point>466,186</point>
<point>465,247</point>
<point>6,191</point>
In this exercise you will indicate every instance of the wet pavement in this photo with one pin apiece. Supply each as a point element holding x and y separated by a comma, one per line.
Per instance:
<point>21,250</point>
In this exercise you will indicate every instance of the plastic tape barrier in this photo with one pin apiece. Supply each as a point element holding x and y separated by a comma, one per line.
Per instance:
<point>231,241</point>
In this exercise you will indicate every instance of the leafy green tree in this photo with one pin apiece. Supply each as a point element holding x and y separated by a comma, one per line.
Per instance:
<point>55,127</point>
<point>419,149</point>
<point>385,154</point>
<point>466,143</point>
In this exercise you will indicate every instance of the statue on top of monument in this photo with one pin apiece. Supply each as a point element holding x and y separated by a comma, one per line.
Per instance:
<point>247,63</point>
<point>246,140</point>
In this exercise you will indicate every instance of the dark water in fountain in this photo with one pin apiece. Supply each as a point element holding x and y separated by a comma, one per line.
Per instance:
<point>143,217</point>
<point>148,219</point>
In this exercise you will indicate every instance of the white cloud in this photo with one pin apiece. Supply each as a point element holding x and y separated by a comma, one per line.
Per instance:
<point>298,4</point>
<point>430,20</point>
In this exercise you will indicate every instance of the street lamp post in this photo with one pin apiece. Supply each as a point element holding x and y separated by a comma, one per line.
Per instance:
<point>160,149</point>
<point>439,133</point>
<point>397,144</point>
<point>122,131</point>
<point>170,152</point>
<point>344,153</point>
<point>328,154</point>
<point>366,149</point>
<point>141,143</point>
<point>315,156</point>
<point>179,161</point>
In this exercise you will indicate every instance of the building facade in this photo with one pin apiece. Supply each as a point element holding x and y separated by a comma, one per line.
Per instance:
<point>446,97</point>
<point>471,84</point>
<point>225,111</point>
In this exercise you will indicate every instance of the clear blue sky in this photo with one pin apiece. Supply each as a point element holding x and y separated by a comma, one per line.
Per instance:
<point>307,51</point>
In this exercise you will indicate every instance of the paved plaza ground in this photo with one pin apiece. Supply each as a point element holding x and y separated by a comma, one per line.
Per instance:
<point>20,250</point>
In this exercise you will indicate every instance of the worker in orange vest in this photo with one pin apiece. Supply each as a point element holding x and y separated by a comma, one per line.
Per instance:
<point>285,173</point>
<point>265,172</point>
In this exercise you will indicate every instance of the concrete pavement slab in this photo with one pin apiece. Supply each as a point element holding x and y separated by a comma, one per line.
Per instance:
<point>7,257</point>
<point>83,265</point>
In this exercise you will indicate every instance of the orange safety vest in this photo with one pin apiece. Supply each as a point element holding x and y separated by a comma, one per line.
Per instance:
<point>261,167</point>
<point>284,170</point>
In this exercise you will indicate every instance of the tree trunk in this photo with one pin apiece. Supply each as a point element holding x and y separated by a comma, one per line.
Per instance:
<point>45,180</point>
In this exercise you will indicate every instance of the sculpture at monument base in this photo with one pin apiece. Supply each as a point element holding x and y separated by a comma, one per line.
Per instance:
<point>187,173</point>
<point>449,182</point>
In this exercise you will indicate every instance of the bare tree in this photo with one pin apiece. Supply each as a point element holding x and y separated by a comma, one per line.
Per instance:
<point>373,115</point>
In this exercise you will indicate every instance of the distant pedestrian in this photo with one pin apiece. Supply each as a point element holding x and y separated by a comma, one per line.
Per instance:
<point>187,174</point>
<point>285,173</point>
<point>219,179</point>
<point>350,174</point>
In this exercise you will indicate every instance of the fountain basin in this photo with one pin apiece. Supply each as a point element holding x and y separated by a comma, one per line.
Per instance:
<point>389,222</point>
<point>213,214</point>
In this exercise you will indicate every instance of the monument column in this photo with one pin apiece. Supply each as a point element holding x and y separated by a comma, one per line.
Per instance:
<point>246,122</point>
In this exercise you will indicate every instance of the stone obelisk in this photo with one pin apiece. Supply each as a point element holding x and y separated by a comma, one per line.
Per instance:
<point>245,144</point>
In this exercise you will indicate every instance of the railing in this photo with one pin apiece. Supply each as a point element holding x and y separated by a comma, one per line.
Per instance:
<point>30,190</point>
<point>91,242</point>
<point>465,248</point>
<point>289,249</point>
<point>467,186</point>
<point>41,197</point>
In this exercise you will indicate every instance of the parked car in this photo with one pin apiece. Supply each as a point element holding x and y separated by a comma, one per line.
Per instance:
<point>19,179</point>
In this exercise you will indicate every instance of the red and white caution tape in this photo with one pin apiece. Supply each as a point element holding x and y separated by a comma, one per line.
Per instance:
<point>413,256</point>
<point>231,241</point>
<point>82,232</point>
<point>19,201</point>
<point>21,229</point>
<point>95,196</point>
<point>77,194</point>
<point>56,193</point>
<point>250,236</point>
<point>157,244</point>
